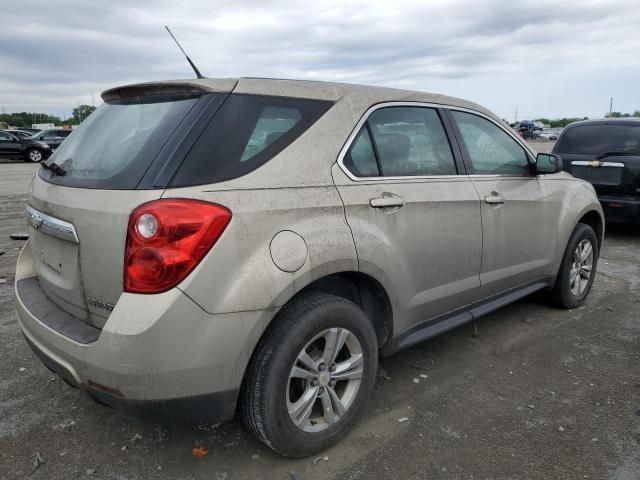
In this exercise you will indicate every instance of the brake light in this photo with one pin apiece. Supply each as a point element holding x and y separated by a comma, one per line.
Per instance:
<point>166,239</point>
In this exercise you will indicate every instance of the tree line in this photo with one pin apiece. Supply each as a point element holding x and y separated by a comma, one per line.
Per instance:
<point>563,122</point>
<point>26,119</point>
<point>635,114</point>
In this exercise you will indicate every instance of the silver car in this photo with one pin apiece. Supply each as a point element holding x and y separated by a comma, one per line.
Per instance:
<point>205,247</point>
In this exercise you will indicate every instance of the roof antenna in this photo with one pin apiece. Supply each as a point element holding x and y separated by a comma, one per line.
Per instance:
<point>195,69</point>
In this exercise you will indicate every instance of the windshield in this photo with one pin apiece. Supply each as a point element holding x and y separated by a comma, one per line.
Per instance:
<point>117,143</point>
<point>600,138</point>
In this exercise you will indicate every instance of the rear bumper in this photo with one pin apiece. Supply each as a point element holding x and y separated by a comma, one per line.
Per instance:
<point>211,407</point>
<point>620,209</point>
<point>161,355</point>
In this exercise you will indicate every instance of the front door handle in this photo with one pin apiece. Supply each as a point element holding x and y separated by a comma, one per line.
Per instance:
<point>494,198</point>
<point>387,200</point>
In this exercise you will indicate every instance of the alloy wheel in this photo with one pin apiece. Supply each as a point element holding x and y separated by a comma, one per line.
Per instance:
<point>324,380</point>
<point>581,267</point>
<point>35,155</point>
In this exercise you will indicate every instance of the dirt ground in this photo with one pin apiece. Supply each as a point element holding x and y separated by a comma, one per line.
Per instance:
<point>541,393</point>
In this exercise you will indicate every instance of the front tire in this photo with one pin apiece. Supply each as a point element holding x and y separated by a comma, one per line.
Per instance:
<point>34,155</point>
<point>578,268</point>
<point>310,375</point>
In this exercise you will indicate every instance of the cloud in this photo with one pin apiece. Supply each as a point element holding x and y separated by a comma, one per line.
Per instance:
<point>545,57</point>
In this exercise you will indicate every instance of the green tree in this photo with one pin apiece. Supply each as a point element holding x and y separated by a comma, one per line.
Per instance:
<point>617,115</point>
<point>81,112</point>
<point>26,119</point>
<point>559,122</point>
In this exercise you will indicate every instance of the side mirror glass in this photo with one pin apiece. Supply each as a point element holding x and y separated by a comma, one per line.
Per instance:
<point>548,163</point>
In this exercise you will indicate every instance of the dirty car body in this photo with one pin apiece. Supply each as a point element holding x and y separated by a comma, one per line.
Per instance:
<point>396,215</point>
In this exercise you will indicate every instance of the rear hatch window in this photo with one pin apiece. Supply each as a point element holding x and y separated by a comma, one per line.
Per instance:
<point>116,144</point>
<point>599,139</point>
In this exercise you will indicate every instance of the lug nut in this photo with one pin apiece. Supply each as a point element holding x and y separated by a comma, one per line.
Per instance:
<point>314,382</point>
<point>321,391</point>
<point>332,383</point>
<point>332,368</point>
<point>322,367</point>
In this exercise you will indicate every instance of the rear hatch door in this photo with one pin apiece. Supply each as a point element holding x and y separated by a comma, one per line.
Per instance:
<point>77,240</point>
<point>120,157</point>
<point>610,174</point>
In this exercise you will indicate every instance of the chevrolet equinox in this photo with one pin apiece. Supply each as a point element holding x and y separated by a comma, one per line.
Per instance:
<point>209,247</point>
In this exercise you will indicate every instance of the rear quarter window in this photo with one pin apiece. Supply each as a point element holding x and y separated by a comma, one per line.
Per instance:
<point>247,132</point>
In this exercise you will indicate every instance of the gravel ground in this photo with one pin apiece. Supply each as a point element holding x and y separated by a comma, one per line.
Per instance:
<point>540,393</point>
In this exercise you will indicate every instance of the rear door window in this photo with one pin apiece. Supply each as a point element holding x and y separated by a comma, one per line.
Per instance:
<point>361,158</point>
<point>401,142</point>
<point>246,133</point>
<point>599,139</point>
<point>411,141</point>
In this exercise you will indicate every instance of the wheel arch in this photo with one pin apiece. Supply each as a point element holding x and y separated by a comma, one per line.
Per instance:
<point>366,292</point>
<point>594,219</point>
<point>578,203</point>
<point>360,288</point>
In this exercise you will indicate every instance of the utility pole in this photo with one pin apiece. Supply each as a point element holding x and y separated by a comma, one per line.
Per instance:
<point>93,103</point>
<point>611,106</point>
<point>516,120</point>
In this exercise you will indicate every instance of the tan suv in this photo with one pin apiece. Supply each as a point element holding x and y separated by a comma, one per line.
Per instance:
<point>203,247</point>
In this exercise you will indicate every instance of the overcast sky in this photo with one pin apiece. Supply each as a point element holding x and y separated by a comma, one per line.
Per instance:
<point>545,58</point>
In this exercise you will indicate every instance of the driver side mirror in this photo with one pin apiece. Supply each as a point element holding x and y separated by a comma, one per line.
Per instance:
<point>548,163</point>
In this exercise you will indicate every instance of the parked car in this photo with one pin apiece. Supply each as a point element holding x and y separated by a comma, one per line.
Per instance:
<point>547,135</point>
<point>26,148</point>
<point>20,133</point>
<point>206,246</point>
<point>53,137</point>
<point>33,131</point>
<point>606,153</point>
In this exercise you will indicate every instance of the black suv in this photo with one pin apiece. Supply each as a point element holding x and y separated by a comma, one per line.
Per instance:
<point>606,153</point>
<point>52,137</point>
<point>29,149</point>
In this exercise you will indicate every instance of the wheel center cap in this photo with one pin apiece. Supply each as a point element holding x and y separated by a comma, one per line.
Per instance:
<point>324,378</point>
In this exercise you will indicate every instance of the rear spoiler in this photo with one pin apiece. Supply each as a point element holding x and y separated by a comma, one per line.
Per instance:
<point>175,87</point>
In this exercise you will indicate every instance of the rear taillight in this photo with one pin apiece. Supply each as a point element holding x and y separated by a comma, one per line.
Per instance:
<point>166,239</point>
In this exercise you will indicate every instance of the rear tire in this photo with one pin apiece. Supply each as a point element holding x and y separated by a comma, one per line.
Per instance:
<point>34,155</point>
<point>300,396</point>
<point>578,268</point>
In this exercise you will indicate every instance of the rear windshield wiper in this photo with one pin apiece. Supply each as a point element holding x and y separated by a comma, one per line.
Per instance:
<point>617,154</point>
<point>54,168</point>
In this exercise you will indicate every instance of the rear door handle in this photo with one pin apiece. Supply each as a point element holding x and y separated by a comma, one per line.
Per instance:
<point>494,198</point>
<point>387,200</point>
